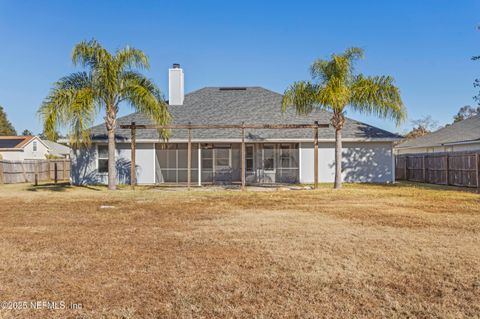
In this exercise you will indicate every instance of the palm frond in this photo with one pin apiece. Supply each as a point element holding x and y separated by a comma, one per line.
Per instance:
<point>128,58</point>
<point>377,95</point>
<point>144,96</point>
<point>70,104</point>
<point>302,96</point>
<point>90,53</point>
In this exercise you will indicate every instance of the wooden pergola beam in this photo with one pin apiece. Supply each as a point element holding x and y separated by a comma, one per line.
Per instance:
<point>227,126</point>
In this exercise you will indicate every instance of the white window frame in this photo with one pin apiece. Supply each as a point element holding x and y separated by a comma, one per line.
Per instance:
<point>252,158</point>
<point>103,158</point>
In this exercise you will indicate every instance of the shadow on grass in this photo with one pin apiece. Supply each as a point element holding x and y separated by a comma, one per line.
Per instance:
<point>59,187</point>
<point>435,187</point>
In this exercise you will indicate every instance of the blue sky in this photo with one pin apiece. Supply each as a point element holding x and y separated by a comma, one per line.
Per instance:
<point>425,45</point>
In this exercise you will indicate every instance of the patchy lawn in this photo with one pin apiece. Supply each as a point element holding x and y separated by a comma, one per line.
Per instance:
<point>364,251</point>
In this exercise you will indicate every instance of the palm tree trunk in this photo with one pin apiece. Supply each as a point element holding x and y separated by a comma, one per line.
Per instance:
<point>337,121</point>
<point>338,158</point>
<point>112,171</point>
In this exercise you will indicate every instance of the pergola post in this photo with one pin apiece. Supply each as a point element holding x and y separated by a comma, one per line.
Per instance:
<point>189,158</point>
<point>243,156</point>
<point>133,172</point>
<point>199,164</point>
<point>315,155</point>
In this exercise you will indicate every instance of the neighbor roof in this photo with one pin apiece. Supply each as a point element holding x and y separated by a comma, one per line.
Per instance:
<point>252,105</point>
<point>56,148</point>
<point>465,131</point>
<point>9,142</point>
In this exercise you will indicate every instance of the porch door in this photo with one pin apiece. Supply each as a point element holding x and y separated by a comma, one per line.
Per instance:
<point>250,176</point>
<point>269,163</point>
<point>222,163</point>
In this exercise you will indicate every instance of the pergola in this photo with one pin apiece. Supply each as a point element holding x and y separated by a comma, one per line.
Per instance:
<point>133,127</point>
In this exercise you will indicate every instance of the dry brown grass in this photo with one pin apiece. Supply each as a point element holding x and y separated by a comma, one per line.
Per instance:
<point>364,251</point>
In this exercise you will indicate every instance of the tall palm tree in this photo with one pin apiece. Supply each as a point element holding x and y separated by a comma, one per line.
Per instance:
<point>336,86</point>
<point>109,80</point>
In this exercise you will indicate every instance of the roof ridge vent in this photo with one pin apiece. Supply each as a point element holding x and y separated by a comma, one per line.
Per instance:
<point>233,88</point>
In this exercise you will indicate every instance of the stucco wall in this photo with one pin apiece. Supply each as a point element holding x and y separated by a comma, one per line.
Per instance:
<point>84,165</point>
<point>362,162</point>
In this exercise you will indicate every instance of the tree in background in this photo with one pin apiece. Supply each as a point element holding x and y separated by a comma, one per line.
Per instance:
<point>54,136</point>
<point>336,86</point>
<point>110,79</point>
<point>476,83</point>
<point>422,127</point>
<point>27,133</point>
<point>466,112</point>
<point>6,128</point>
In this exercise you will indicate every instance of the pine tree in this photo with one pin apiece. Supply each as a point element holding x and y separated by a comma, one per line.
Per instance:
<point>6,128</point>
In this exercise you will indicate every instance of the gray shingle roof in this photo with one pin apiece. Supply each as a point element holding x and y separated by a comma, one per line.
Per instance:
<point>254,105</point>
<point>56,148</point>
<point>463,131</point>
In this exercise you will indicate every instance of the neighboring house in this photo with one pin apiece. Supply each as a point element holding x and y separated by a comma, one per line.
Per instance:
<point>458,137</point>
<point>272,155</point>
<point>19,148</point>
<point>57,150</point>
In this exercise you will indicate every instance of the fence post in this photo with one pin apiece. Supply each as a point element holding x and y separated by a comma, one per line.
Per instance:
<point>447,169</point>
<point>55,174</point>
<point>406,168</point>
<point>315,155</point>
<point>477,169</point>
<point>64,169</point>
<point>424,168</point>
<point>35,173</point>
<point>2,178</point>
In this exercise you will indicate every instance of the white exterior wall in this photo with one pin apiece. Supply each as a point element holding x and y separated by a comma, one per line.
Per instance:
<point>12,155</point>
<point>85,165</point>
<point>362,162</point>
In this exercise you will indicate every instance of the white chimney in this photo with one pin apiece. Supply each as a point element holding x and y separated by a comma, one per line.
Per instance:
<point>175,85</point>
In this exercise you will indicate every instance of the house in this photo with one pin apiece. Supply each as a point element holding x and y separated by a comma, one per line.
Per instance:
<point>272,155</point>
<point>458,137</point>
<point>19,148</point>
<point>57,150</point>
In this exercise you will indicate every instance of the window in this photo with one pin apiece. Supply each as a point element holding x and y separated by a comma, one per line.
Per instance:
<point>102,158</point>
<point>269,157</point>
<point>249,158</point>
<point>34,146</point>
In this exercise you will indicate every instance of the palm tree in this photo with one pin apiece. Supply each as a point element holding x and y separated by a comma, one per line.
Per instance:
<point>336,86</point>
<point>109,80</point>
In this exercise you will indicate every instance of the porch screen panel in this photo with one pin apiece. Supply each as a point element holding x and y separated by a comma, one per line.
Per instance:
<point>287,163</point>
<point>171,163</point>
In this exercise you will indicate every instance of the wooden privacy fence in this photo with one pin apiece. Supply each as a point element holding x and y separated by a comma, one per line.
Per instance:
<point>34,171</point>
<point>458,168</point>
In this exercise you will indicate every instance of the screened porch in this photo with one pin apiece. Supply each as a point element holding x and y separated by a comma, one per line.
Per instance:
<point>220,163</point>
